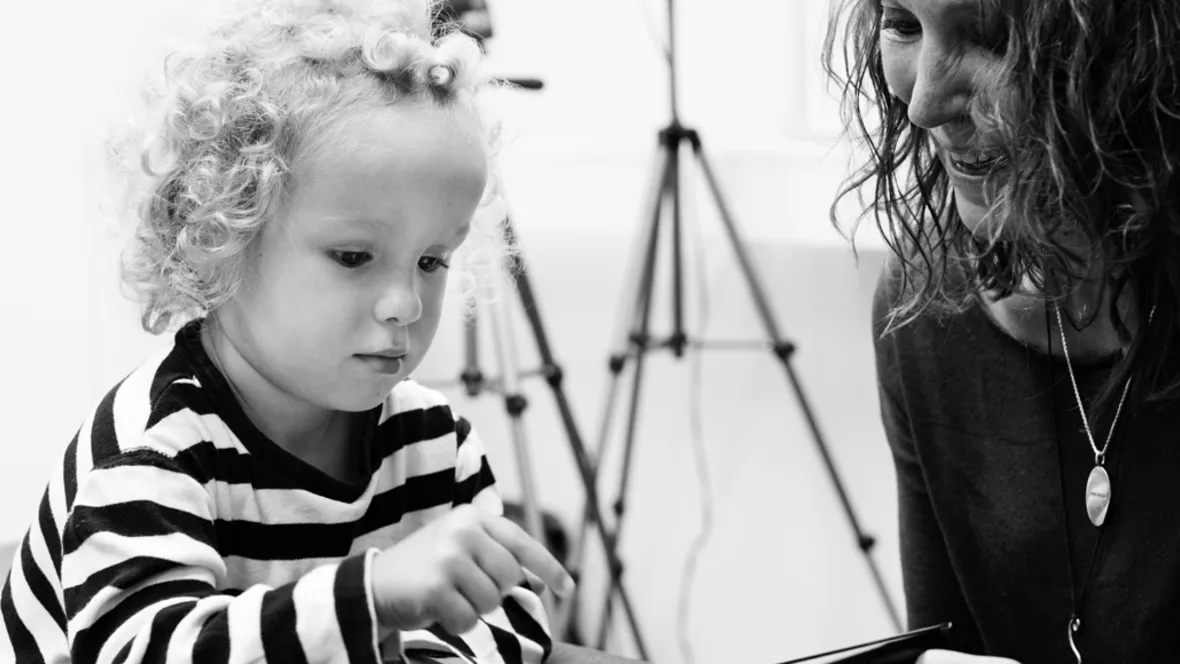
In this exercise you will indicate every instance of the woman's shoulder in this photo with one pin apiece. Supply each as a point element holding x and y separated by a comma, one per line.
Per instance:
<point>946,354</point>
<point>897,323</point>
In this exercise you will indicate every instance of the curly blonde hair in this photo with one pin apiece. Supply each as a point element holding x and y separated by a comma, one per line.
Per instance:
<point>210,165</point>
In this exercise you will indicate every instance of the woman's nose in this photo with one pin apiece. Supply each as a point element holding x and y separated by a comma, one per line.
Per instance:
<point>941,89</point>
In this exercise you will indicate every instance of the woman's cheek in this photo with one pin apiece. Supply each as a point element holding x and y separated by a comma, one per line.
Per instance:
<point>899,70</point>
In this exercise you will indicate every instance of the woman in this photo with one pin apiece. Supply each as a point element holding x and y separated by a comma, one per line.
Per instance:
<point>1024,156</point>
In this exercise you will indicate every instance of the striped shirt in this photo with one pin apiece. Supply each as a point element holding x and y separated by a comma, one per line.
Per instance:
<point>175,531</point>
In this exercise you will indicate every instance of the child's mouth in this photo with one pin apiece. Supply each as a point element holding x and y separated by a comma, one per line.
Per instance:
<point>383,364</point>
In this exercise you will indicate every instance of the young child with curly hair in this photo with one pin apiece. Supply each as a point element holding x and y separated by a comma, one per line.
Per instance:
<point>272,488</point>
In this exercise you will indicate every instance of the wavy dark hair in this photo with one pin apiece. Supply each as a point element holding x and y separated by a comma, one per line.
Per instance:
<point>1089,120</point>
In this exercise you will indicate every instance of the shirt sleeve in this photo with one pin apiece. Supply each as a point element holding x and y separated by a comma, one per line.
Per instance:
<point>141,572</point>
<point>932,590</point>
<point>516,633</point>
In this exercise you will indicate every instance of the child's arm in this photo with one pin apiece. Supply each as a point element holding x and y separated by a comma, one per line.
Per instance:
<point>140,573</point>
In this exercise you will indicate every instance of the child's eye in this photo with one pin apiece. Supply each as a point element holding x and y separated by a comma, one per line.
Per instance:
<point>431,264</point>
<point>352,259</point>
<point>899,22</point>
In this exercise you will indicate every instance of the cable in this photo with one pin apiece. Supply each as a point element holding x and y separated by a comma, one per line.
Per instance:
<point>696,425</point>
<point>704,480</point>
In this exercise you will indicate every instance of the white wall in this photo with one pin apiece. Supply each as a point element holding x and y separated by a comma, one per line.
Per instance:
<point>781,561</point>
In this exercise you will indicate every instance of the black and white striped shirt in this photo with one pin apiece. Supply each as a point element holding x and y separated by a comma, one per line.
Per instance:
<point>175,531</point>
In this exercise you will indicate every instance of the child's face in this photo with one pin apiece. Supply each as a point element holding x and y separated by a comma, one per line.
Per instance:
<point>350,273</point>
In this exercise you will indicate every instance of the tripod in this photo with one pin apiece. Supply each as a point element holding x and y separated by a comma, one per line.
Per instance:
<point>515,404</point>
<point>636,339</point>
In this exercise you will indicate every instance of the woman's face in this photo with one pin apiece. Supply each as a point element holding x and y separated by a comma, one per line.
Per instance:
<point>934,53</point>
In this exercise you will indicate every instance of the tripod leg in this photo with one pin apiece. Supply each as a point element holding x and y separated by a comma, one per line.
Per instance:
<point>472,376</point>
<point>644,259</point>
<point>783,350</point>
<point>553,376</point>
<point>639,341</point>
<point>515,403</point>
<point>678,339</point>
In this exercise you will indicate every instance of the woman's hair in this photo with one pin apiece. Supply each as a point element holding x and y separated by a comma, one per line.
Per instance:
<point>210,165</point>
<point>1085,101</point>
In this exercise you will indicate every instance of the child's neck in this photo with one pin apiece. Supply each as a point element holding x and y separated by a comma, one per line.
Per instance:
<point>318,436</point>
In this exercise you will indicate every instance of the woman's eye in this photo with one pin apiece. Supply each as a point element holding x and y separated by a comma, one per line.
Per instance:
<point>431,264</point>
<point>352,259</point>
<point>899,22</point>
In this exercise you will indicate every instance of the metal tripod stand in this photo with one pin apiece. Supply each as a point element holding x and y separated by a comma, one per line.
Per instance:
<point>515,404</point>
<point>637,339</point>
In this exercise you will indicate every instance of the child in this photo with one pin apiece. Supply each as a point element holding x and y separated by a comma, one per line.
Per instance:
<point>271,488</point>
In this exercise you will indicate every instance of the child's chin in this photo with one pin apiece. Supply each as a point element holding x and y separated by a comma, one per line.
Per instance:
<point>359,403</point>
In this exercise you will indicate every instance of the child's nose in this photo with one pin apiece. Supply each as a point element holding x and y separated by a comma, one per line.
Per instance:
<point>400,303</point>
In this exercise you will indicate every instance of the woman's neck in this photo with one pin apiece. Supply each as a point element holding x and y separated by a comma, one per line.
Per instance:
<point>316,435</point>
<point>1023,316</point>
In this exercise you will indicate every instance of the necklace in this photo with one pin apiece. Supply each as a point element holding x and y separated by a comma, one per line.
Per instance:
<point>1098,490</point>
<point>1097,485</point>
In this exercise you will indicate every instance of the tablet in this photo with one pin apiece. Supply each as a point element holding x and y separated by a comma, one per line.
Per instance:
<point>900,649</point>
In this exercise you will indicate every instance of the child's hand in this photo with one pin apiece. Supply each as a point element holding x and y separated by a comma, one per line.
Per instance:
<point>457,568</point>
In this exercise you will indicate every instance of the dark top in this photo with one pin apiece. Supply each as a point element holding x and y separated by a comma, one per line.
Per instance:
<point>991,463</point>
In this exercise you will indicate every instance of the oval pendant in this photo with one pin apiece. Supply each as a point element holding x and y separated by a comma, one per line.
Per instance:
<point>1097,495</point>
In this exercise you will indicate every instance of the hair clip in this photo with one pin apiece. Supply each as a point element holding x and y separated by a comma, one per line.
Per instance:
<point>440,75</point>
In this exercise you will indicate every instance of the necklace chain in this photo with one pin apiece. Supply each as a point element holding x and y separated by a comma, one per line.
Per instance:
<point>1099,455</point>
